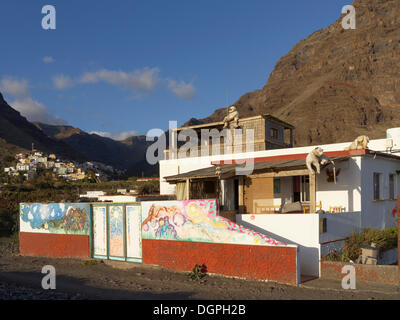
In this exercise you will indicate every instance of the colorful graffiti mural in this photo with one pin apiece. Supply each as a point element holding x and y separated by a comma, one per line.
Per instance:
<point>133,232</point>
<point>195,220</point>
<point>100,231</point>
<point>116,225</point>
<point>64,218</point>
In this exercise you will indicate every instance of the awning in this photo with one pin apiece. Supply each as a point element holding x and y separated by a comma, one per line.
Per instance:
<point>227,171</point>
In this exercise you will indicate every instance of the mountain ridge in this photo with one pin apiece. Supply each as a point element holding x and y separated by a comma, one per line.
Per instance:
<point>336,84</point>
<point>129,154</point>
<point>19,134</point>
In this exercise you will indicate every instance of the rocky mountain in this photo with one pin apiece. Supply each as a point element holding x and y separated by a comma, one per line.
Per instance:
<point>17,134</point>
<point>129,154</point>
<point>336,84</point>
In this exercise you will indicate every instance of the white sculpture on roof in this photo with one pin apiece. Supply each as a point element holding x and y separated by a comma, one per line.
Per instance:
<point>312,159</point>
<point>316,158</point>
<point>232,119</point>
<point>360,143</point>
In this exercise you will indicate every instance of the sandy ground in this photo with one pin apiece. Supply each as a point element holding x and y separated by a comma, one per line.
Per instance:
<point>20,278</point>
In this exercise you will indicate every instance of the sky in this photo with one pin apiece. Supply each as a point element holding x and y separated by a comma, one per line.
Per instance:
<point>120,68</point>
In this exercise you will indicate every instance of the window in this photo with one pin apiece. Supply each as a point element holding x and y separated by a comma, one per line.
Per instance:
<point>377,186</point>
<point>274,133</point>
<point>277,185</point>
<point>391,186</point>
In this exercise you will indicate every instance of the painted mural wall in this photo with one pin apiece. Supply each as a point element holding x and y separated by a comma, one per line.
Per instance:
<point>133,232</point>
<point>59,218</point>
<point>195,220</point>
<point>99,231</point>
<point>116,227</point>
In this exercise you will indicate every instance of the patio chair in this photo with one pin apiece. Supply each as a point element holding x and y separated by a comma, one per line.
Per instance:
<point>337,209</point>
<point>307,207</point>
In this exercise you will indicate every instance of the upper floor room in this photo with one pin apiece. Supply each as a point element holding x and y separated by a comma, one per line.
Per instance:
<point>257,133</point>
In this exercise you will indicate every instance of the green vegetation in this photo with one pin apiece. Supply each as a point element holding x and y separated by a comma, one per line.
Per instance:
<point>8,159</point>
<point>385,239</point>
<point>92,262</point>
<point>149,187</point>
<point>46,186</point>
<point>198,272</point>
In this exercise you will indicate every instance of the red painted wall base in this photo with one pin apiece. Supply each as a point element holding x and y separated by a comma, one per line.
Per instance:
<point>54,245</point>
<point>371,273</point>
<point>246,261</point>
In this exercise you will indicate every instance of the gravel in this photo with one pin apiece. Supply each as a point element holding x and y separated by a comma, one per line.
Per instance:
<point>13,292</point>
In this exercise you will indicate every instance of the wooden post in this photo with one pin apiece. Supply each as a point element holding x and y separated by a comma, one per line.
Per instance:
<point>241,194</point>
<point>313,194</point>
<point>187,189</point>
<point>291,137</point>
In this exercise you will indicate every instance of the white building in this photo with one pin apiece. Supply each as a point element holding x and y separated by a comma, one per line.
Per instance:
<point>23,167</point>
<point>364,195</point>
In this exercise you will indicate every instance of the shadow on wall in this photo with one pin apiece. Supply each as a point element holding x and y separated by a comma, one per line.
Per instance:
<point>340,225</point>
<point>348,169</point>
<point>309,256</point>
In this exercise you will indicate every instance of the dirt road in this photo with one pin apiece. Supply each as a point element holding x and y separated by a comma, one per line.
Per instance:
<point>91,279</point>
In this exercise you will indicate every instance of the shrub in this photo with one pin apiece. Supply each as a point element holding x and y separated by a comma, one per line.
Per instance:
<point>148,188</point>
<point>198,272</point>
<point>385,239</point>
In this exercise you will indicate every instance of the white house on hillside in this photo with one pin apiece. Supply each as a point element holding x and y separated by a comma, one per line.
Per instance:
<point>358,191</point>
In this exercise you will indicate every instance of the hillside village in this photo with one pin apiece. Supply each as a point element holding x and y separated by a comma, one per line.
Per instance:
<point>30,164</point>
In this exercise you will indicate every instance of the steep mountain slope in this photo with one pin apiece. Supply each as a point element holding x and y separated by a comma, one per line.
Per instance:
<point>129,154</point>
<point>336,84</point>
<point>18,134</point>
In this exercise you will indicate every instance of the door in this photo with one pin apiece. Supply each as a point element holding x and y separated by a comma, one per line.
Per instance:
<point>116,232</point>
<point>133,234</point>
<point>116,235</point>
<point>99,232</point>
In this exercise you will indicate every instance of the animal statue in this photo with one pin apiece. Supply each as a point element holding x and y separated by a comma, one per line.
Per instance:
<point>316,158</point>
<point>232,119</point>
<point>313,159</point>
<point>360,143</point>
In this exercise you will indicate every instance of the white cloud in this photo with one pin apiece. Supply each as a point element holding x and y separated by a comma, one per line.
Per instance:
<point>117,136</point>
<point>48,59</point>
<point>36,111</point>
<point>141,79</point>
<point>28,107</point>
<point>62,81</point>
<point>182,90</point>
<point>14,87</point>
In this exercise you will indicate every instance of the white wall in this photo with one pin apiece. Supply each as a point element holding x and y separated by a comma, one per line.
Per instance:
<point>346,192</point>
<point>299,229</point>
<point>378,214</point>
<point>339,226</point>
<point>176,166</point>
<point>117,198</point>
